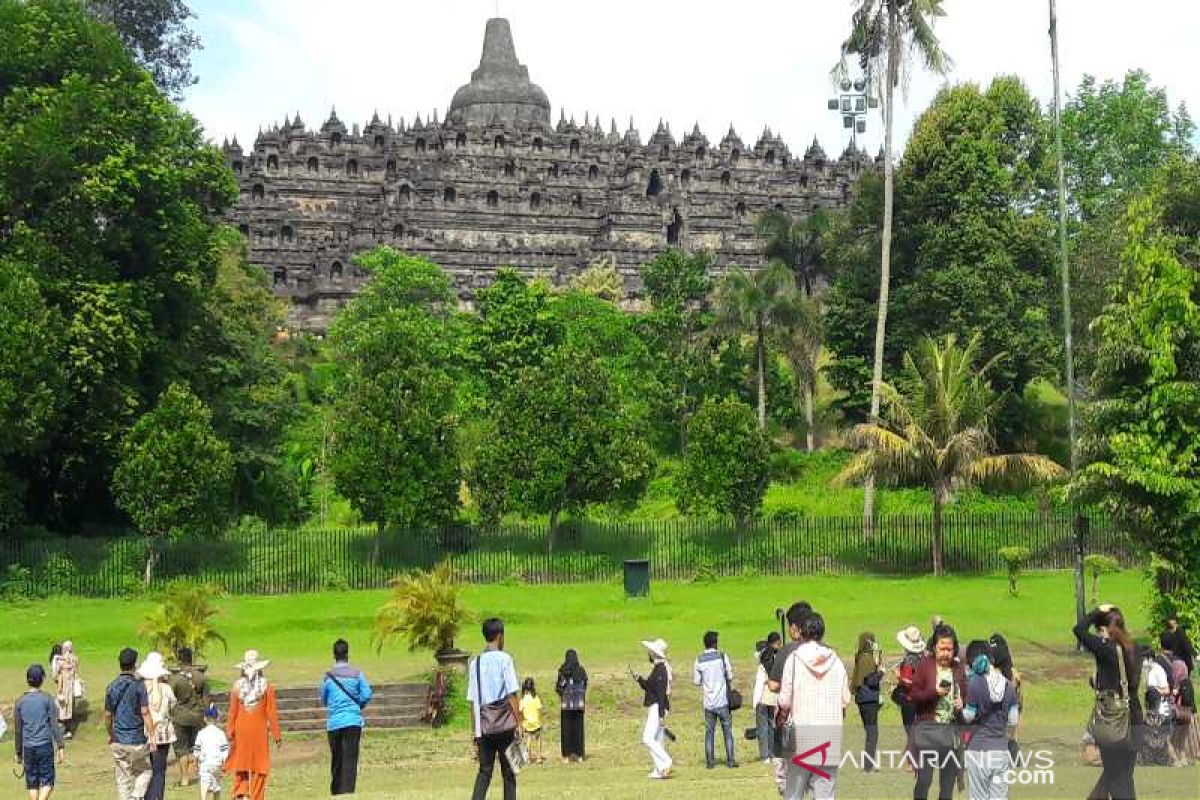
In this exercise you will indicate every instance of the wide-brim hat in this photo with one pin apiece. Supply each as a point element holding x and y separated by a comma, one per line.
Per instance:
<point>657,647</point>
<point>252,663</point>
<point>911,639</point>
<point>153,667</point>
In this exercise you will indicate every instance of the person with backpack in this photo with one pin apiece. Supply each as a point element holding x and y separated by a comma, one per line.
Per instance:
<point>990,709</point>
<point>190,686</point>
<point>493,692</point>
<point>764,700</point>
<point>913,644</point>
<point>865,686</point>
<point>571,687</point>
<point>130,728</point>
<point>345,692</point>
<point>713,673</point>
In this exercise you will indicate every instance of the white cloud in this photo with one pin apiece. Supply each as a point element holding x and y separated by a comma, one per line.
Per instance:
<point>752,63</point>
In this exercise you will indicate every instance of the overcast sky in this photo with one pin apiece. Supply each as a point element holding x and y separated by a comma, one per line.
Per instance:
<point>750,63</point>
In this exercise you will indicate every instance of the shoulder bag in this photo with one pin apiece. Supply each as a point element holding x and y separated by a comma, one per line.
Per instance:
<point>361,705</point>
<point>496,716</point>
<point>731,694</point>
<point>1109,724</point>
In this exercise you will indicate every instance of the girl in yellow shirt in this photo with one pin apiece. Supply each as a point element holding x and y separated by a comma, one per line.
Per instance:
<point>531,720</point>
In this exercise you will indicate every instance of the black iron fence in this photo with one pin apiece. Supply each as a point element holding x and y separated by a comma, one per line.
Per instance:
<point>280,561</point>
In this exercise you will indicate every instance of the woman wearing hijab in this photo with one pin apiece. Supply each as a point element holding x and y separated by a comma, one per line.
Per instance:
<point>153,673</point>
<point>1186,739</point>
<point>657,702</point>
<point>572,695</point>
<point>253,717</point>
<point>64,667</point>
<point>1002,660</point>
<point>864,684</point>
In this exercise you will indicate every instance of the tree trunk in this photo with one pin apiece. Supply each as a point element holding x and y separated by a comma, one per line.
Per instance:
<point>938,567</point>
<point>761,347</point>
<point>809,436</point>
<point>553,530</point>
<point>375,551</point>
<point>885,249</point>
<point>152,556</point>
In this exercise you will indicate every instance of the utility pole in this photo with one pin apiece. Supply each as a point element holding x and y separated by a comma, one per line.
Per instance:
<point>1078,521</point>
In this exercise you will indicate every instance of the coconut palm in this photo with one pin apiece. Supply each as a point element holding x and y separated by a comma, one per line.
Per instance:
<point>755,304</point>
<point>886,36</point>
<point>799,335</point>
<point>796,243</point>
<point>936,432</point>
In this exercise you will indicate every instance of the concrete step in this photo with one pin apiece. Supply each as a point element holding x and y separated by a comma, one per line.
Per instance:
<point>391,706</point>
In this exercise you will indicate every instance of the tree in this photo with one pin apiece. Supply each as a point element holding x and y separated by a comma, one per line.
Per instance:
<point>601,280</point>
<point>515,328</point>
<point>561,436</point>
<point>157,34</point>
<point>1140,441</point>
<point>174,474</point>
<point>936,432</point>
<point>884,35</point>
<point>727,463</point>
<point>799,244</point>
<point>183,618</point>
<point>755,304</point>
<point>394,456</point>
<point>799,337</point>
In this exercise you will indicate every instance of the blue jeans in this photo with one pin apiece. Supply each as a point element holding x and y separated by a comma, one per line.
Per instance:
<point>710,723</point>
<point>764,723</point>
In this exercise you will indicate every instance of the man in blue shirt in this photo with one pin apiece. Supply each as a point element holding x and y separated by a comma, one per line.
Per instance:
<point>491,681</point>
<point>345,693</point>
<point>35,720</point>
<point>130,729</point>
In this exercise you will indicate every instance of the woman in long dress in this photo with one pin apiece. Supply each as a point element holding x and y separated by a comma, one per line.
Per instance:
<point>64,666</point>
<point>253,717</point>
<point>154,673</point>
<point>572,692</point>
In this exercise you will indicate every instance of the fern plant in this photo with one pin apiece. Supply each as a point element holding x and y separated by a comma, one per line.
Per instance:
<point>424,609</point>
<point>183,618</point>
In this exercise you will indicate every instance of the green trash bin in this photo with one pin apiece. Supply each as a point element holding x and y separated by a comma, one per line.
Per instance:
<point>637,577</point>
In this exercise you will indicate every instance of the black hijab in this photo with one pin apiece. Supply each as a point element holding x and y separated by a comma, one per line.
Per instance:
<point>571,669</point>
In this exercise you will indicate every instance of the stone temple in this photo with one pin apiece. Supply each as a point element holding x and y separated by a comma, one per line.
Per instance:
<point>496,183</point>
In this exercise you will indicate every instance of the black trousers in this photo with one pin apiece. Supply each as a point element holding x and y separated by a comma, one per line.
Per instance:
<point>571,728</point>
<point>1116,779</point>
<point>947,769</point>
<point>343,755</point>
<point>157,788</point>
<point>491,748</point>
<point>870,720</point>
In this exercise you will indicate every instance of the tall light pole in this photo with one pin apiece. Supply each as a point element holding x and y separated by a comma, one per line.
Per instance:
<point>1078,522</point>
<point>852,104</point>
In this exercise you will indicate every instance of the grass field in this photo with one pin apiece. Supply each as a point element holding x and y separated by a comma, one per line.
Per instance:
<point>295,632</point>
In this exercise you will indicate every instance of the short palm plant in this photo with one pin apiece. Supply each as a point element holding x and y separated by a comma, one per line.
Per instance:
<point>935,431</point>
<point>183,618</point>
<point>424,609</point>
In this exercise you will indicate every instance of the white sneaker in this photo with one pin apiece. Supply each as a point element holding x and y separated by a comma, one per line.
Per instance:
<point>654,775</point>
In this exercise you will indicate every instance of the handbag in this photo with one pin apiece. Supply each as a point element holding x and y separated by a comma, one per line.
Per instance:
<point>573,694</point>
<point>1109,723</point>
<point>868,691</point>
<point>77,688</point>
<point>731,694</point>
<point>934,737</point>
<point>497,716</point>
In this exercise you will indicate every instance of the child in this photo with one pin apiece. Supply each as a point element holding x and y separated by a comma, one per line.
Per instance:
<point>531,720</point>
<point>211,750</point>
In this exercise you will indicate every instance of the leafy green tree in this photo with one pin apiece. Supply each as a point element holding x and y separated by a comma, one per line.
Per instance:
<point>798,338</point>
<point>394,456</point>
<point>515,328</point>
<point>157,34</point>
<point>755,304</point>
<point>727,463</point>
<point>798,243</point>
<point>1140,428</point>
<point>174,475</point>
<point>562,435</point>
<point>885,37</point>
<point>601,280</point>
<point>936,432</point>
<point>31,379</point>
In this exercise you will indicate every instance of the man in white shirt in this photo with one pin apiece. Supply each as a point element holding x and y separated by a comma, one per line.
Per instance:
<point>713,673</point>
<point>492,678</point>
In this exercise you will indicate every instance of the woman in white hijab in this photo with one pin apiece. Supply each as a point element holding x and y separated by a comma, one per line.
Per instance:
<point>64,667</point>
<point>253,717</point>
<point>658,704</point>
<point>154,672</point>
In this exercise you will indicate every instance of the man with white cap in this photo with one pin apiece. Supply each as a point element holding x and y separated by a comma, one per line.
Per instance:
<point>657,703</point>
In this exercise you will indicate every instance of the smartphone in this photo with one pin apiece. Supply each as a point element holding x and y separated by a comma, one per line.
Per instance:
<point>945,684</point>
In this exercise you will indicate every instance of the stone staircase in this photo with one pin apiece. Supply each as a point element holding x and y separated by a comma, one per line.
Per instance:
<point>398,705</point>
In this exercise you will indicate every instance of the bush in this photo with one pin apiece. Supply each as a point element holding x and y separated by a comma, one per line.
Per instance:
<point>334,580</point>
<point>1096,565</point>
<point>16,583</point>
<point>787,465</point>
<point>1015,559</point>
<point>184,618</point>
<point>58,575</point>
<point>424,609</point>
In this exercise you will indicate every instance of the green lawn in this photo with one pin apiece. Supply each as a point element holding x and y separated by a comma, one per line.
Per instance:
<point>295,632</point>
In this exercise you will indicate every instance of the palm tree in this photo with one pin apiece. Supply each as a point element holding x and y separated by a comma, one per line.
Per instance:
<point>885,35</point>
<point>755,304</point>
<point>937,434</point>
<point>799,336</point>
<point>796,243</point>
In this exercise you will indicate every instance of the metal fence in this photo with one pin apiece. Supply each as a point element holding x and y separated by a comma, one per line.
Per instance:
<point>280,561</point>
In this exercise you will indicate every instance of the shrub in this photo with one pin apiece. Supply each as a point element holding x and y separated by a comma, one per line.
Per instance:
<point>333,579</point>
<point>1015,559</point>
<point>183,618</point>
<point>424,609</point>
<point>58,575</point>
<point>16,583</point>
<point>706,570</point>
<point>787,465</point>
<point>1096,565</point>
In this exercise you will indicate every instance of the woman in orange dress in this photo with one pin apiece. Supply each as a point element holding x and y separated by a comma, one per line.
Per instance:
<point>253,717</point>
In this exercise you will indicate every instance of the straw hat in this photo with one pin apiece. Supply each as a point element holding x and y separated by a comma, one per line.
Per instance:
<point>911,640</point>
<point>657,647</point>
<point>153,667</point>
<point>251,662</point>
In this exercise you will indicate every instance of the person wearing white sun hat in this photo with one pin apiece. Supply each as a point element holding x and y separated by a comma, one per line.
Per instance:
<point>913,644</point>
<point>657,702</point>
<point>253,717</point>
<point>153,673</point>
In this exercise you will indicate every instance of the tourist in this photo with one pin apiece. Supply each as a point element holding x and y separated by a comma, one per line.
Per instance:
<point>794,617</point>
<point>571,687</point>
<point>345,692</point>
<point>713,673</point>
<point>657,702</point>
<point>1186,738</point>
<point>130,728</point>
<point>531,720</point>
<point>492,691</point>
<point>1155,745</point>
<point>913,645</point>
<point>865,685</point>
<point>1001,656</point>
<point>765,701</point>
<point>253,720</point>
<point>1117,671</point>
<point>938,688</point>
<point>990,709</point>
<point>1175,640</point>
<point>36,731</point>
<point>64,667</point>
<point>153,673</point>
<point>190,685</point>
<point>210,752</point>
